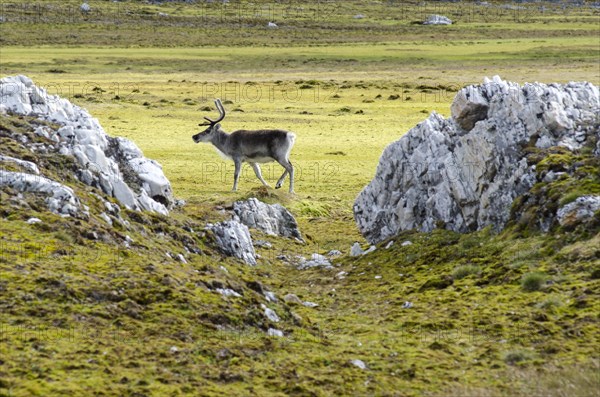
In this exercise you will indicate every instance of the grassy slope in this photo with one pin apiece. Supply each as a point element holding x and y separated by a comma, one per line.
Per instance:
<point>479,335</point>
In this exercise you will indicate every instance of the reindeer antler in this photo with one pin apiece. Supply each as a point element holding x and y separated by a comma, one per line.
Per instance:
<point>221,110</point>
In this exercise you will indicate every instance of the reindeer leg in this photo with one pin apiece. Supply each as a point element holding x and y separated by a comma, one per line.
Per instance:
<point>289,169</point>
<point>256,169</point>
<point>281,179</point>
<point>236,173</point>
<point>291,172</point>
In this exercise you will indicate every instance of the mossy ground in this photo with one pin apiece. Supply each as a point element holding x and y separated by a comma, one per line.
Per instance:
<point>86,317</point>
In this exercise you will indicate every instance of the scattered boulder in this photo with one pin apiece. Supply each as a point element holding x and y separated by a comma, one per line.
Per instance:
<point>437,20</point>
<point>273,219</point>
<point>581,209</point>
<point>463,173</point>
<point>114,165</point>
<point>316,260</point>
<point>233,239</point>
<point>85,8</point>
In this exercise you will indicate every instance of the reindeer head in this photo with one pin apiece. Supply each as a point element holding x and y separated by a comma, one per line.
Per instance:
<point>213,125</point>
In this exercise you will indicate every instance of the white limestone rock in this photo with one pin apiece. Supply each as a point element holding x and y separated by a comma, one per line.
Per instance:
<point>463,173</point>
<point>61,199</point>
<point>233,239</point>
<point>273,219</point>
<point>437,20</point>
<point>316,260</point>
<point>27,165</point>
<point>114,165</point>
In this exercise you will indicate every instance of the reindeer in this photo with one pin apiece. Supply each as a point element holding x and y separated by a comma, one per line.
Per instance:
<point>260,146</point>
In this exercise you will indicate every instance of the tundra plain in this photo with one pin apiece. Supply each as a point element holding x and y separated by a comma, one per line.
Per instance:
<point>347,87</point>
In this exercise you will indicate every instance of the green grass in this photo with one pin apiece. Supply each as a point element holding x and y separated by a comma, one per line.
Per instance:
<point>465,271</point>
<point>533,281</point>
<point>84,317</point>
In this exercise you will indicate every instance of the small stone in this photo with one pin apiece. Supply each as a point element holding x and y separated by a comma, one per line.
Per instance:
<point>262,244</point>
<point>106,218</point>
<point>275,332</point>
<point>371,249</point>
<point>388,245</point>
<point>358,363</point>
<point>270,296</point>
<point>292,298</point>
<point>32,221</point>
<point>341,275</point>
<point>228,292</point>
<point>270,314</point>
<point>406,243</point>
<point>407,305</point>
<point>356,250</point>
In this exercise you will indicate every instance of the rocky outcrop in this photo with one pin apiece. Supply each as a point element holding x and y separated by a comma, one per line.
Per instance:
<point>273,219</point>
<point>114,165</point>
<point>233,239</point>
<point>463,173</point>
